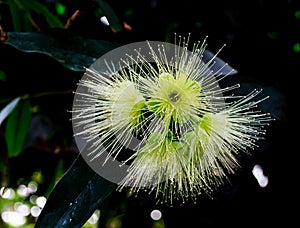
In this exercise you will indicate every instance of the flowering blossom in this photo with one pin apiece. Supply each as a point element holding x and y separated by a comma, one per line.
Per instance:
<point>187,132</point>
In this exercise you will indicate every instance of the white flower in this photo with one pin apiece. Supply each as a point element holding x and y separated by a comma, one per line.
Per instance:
<point>188,132</point>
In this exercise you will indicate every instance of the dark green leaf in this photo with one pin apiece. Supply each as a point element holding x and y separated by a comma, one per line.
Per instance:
<point>17,127</point>
<point>14,11</point>
<point>39,8</point>
<point>17,14</point>
<point>73,52</point>
<point>75,197</point>
<point>21,15</point>
<point>8,109</point>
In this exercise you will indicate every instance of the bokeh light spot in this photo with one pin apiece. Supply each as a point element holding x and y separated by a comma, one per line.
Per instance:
<point>258,173</point>
<point>156,214</point>
<point>296,47</point>
<point>41,201</point>
<point>60,9</point>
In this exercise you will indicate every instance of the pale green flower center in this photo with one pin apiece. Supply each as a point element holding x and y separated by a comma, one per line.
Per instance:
<point>175,97</point>
<point>128,104</point>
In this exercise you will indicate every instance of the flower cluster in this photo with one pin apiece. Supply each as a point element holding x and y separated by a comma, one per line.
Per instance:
<point>183,132</point>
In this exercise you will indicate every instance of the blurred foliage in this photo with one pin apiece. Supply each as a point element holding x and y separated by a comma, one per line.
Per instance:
<point>17,127</point>
<point>22,13</point>
<point>44,46</point>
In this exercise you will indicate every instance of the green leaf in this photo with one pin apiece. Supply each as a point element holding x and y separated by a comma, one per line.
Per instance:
<point>17,127</point>
<point>19,16</point>
<point>73,52</point>
<point>8,109</point>
<point>14,11</point>
<point>75,197</point>
<point>39,8</point>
